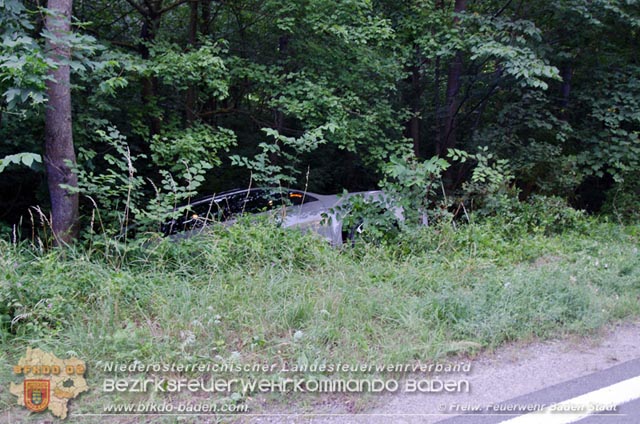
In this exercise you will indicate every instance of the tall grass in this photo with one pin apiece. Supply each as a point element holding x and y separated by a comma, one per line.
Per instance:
<point>255,293</point>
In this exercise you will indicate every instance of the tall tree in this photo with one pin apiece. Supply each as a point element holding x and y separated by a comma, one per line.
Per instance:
<point>453,88</point>
<point>59,150</point>
<point>192,94</point>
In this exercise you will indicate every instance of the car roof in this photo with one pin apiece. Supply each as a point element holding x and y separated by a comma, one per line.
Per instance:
<point>228,193</point>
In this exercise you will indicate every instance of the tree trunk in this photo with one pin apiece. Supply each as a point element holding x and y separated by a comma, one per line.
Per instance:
<point>205,20</point>
<point>416,105</point>
<point>58,132</point>
<point>191,96</point>
<point>565,90</point>
<point>436,104</point>
<point>453,88</point>
<point>437,108</point>
<point>283,51</point>
<point>278,115</point>
<point>150,25</point>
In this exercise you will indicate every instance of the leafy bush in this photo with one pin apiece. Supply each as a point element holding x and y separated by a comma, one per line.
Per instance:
<point>125,197</point>
<point>416,187</point>
<point>623,199</point>
<point>367,219</point>
<point>539,214</point>
<point>414,184</point>
<point>276,164</point>
<point>491,176</point>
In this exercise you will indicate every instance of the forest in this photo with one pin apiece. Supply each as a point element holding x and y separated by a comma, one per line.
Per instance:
<point>129,107</point>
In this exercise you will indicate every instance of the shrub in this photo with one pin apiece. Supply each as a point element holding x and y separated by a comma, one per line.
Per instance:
<point>623,199</point>
<point>539,214</point>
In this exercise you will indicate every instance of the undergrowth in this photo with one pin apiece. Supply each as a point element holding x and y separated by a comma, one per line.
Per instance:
<point>254,293</point>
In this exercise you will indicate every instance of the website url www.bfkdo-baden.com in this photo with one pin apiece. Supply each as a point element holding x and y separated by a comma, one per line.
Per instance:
<point>162,408</point>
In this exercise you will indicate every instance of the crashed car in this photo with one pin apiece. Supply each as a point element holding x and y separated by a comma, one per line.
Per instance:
<point>291,208</point>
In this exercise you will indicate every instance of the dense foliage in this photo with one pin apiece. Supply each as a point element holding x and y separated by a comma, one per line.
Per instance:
<point>172,98</point>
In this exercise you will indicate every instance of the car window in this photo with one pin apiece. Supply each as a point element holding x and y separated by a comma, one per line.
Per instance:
<point>259,200</point>
<point>226,207</point>
<point>231,205</point>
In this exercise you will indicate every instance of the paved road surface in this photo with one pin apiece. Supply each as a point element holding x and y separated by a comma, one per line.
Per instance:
<point>520,374</point>
<point>614,392</point>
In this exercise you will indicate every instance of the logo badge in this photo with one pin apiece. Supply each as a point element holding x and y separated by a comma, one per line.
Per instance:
<point>49,382</point>
<point>36,395</point>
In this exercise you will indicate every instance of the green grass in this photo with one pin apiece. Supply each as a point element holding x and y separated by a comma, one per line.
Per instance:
<point>258,294</point>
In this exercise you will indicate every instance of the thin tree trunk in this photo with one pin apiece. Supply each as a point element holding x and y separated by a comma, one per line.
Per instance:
<point>565,90</point>
<point>192,93</point>
<point>436,104</point>
<point>150,25</point>
<point>278,115</point>
<point>436,93</point>
<point>283,51</point>
<point>453,88</point>
<point>58,132</point>
<point>193,22</point>
<point>416,109</point>
<point>205,12</point>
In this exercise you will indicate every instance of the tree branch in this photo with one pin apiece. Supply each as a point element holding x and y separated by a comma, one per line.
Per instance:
<point>125,44</point>
<point>172,6</point>
<point>486,97</point>
<point>258,122</point>
<point>124,15</point>
<point>138,7</point>
<point>502,9</point>
<point>467,96</point>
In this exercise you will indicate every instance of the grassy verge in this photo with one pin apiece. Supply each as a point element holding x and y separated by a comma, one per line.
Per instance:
<point>256,294</point>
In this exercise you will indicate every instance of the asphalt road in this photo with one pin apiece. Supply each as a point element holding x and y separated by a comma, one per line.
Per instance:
<point>610,412</point>
<point>534,374</point>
